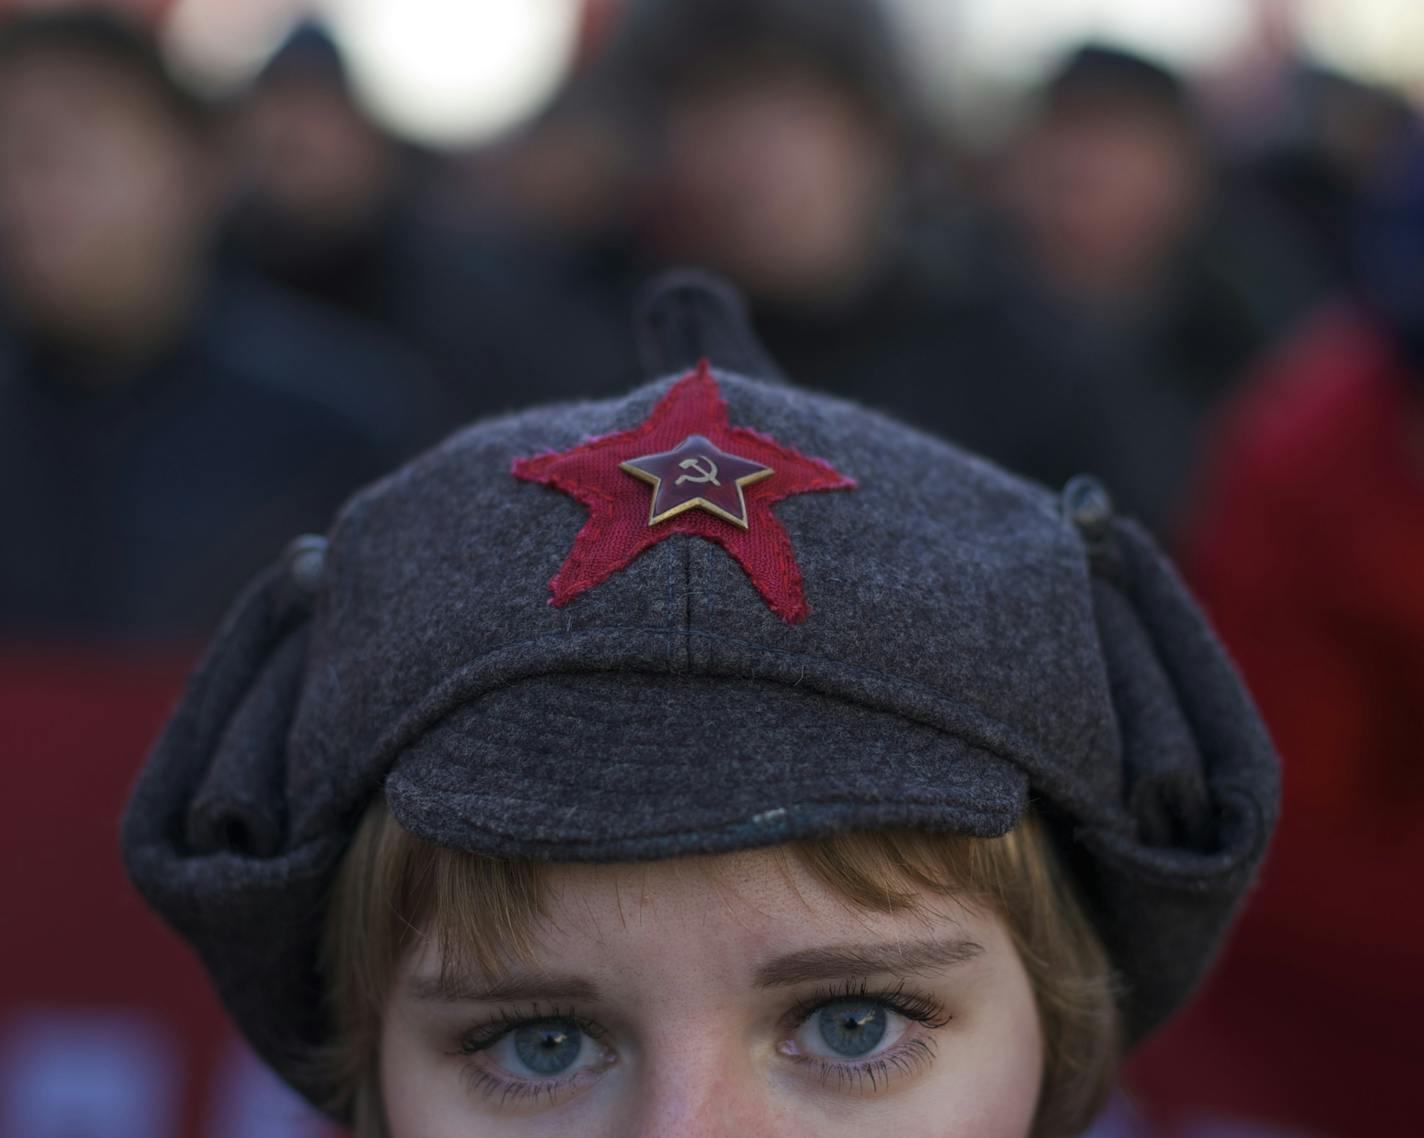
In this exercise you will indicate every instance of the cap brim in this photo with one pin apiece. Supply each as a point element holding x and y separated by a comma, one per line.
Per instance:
<point>616,767</point>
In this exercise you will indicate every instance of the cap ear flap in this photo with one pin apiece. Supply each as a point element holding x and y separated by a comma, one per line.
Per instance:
<point>205,835</point>
<point>240,805</point>
<point>1201,783</point>
<point>214,782</point>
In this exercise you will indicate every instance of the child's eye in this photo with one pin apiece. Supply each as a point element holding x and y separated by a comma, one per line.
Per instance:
<point>542,1049</point>
<point>548,1047</point>
<point>854,1028</point>
<point>860,1041</point>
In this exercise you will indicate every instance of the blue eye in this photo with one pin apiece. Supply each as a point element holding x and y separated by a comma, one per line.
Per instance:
<point>548,1046</point>
<point>852,1028</point>
<point>542,1058</point>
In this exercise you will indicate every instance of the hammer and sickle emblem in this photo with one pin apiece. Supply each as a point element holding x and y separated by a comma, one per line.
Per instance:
<point>703,475</point>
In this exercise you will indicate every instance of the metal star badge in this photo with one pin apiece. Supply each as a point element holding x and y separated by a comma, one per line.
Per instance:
<point>684,469</point>
<point>697,473</point>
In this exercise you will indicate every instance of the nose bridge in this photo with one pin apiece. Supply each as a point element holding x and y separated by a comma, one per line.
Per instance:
<point>707,1091</point>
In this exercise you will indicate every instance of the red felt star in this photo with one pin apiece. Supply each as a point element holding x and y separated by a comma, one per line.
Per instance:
<point>707,478</point>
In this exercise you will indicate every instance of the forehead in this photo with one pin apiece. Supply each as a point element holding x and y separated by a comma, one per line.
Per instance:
<point>695,913</point>
<point>754,887</point>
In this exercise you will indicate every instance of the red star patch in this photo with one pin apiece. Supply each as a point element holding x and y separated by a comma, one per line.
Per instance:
<point>707,478</point>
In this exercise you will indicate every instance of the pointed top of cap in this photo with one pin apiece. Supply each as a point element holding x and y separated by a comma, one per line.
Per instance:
<point>688,315</point>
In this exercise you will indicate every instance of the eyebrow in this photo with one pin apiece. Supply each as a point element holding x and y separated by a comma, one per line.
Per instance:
<point>833,962</point>
<point>453,988</point>
<point>845,961</point>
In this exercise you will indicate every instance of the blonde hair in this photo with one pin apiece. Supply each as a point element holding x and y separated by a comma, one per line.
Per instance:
<point>394,889</point>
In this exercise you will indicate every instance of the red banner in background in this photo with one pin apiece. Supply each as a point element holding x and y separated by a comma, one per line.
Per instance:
<point>108,1028</point>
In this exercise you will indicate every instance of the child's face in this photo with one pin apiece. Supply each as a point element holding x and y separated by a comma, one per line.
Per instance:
<point>726,996</point>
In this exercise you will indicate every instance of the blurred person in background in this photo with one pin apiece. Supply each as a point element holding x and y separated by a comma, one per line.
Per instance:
<point>775,141</point>
<point>330,205</point>
<point>783,129</point>
<point>1307,545</point>
<point>318,182</point>
<point>567,179</point>
<point>551,212</point>
<point>1108,180</point>
<point>1315,162</point>
<point>142,395</point>
<point>1113,226</point>
<point>1302,143</point>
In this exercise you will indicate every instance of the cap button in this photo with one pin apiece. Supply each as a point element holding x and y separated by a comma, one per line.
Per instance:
<point>1089,506</point>
<point>305,560</point>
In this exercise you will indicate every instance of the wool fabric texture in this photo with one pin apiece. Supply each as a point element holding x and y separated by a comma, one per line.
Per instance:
<point>974,642</point>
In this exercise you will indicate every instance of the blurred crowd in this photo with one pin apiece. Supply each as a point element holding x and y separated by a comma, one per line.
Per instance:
<point>220,317</point>
<point>217,318</point>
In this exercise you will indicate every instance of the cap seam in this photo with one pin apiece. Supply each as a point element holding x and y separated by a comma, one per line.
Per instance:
<point>686,547</point>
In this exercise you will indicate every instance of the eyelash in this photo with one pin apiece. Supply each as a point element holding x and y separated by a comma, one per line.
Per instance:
<point>904,1059</point>
<point>920,1008</point>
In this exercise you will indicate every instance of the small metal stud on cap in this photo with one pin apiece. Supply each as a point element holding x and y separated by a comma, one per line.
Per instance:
<point>305,559</point>
<point>1089,506</point>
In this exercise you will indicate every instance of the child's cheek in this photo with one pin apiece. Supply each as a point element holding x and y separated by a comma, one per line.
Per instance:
<point>423,1097</point>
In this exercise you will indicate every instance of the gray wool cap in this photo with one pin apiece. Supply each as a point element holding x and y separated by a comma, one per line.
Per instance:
<point>947,644</point>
